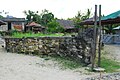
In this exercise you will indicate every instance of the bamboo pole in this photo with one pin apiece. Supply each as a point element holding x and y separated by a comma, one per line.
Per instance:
<point>94,39</point>
<point>99,46</point>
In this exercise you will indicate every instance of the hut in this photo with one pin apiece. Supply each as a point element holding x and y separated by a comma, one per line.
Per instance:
<point>68,25</point>
<point>2,27</point>
<point>2,23</point>
<point>13,23</point>
<point>34,27</point>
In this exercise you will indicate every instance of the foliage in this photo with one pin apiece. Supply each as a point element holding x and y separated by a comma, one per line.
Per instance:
<point>3,13</point>
<point>80,17</point>
<point>1,16</point>
<point>43,18</point>
<point>110,65</point>
<point>110,29</point>
<point>107,63</point>
<point>46,17</point>
<point>65,62</point>
<point>54,26</point>
<point>30,34</point>
<point>32,16</point>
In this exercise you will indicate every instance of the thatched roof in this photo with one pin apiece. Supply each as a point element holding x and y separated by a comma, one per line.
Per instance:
<point>2,23</point>
<point>67,24</point>
<point>34,24</point>
<point>13,19</point>
<point>89,21</point>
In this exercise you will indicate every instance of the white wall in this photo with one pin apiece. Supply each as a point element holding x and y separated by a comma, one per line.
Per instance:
<point>3,27</point>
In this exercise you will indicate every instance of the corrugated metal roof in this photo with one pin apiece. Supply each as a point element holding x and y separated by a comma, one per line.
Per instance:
<point>112,15</point>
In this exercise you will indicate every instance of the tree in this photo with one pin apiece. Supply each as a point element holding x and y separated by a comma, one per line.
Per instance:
<point>54,26</point>
<point>1,16</point>
<point>43,18</point>
<point>46,17</point>
<point>32,16</point>
<point>3,13</point>
<point>109,29</point>
<point>81,17</point>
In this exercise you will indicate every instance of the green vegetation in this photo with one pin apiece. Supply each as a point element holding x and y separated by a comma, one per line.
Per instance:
<point>65,62</point>
<point>47,19</point>
<point>110,65</point>
<point>81,17</point>
<point>43,18</point>
<point>54,26</point>
<point>21,35</point>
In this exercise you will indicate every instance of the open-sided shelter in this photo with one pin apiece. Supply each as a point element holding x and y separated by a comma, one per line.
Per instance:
<point>34,27</point>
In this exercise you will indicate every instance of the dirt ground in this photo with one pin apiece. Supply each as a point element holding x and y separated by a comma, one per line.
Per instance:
<point>25,67</point>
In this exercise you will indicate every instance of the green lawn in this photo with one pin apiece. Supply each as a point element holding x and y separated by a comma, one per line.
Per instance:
<point>21,35</point>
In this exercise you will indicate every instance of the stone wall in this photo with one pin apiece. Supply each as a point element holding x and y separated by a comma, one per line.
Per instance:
<point>74,47</point>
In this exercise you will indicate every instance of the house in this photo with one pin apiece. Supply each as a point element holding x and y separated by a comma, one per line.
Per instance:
<point>13,24</point>
<point>34,27</point>
<point>2,23</point>
<point>68,25</point>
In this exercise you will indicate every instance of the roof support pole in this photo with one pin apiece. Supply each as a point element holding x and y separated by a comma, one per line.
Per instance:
<point>99,46</point>
<point>94,39</point>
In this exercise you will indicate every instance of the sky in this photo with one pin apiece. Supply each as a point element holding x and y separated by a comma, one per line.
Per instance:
<point>60,8</point>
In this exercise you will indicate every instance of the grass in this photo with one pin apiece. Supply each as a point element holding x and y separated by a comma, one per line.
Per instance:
<point>65,62</point>
<point>110,65</point>
<point>21,35</point>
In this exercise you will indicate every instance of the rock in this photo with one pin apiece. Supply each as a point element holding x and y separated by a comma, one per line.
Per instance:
<point>76,48</point>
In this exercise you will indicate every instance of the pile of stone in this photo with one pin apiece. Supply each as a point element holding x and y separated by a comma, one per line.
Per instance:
<point>74,47</point>
<point>113,76</point>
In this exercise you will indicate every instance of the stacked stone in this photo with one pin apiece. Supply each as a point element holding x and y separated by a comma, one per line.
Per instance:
<point>113,76</point>
<point>74,47</point>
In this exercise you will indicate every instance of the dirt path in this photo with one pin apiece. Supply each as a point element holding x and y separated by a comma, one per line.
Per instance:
<point>25,67</point>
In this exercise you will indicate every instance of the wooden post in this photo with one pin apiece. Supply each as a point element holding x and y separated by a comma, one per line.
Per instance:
<point>99,46</point>
<point>94,39</point>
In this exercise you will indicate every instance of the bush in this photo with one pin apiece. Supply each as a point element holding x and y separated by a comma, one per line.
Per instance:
<point>54,26</point>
